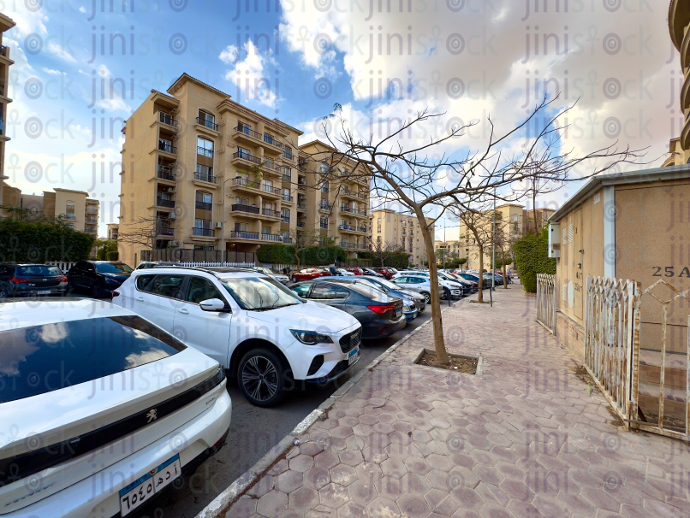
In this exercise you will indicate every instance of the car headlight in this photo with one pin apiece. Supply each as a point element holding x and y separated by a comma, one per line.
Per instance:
<point>311,337</point>
<point>406,308</point>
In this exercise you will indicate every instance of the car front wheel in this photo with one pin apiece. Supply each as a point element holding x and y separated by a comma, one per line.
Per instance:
<point>427,297</point>
<point>3,293</point>
<point>261,377</point>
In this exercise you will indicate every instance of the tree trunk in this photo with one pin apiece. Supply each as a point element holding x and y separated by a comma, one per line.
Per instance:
<point>505,276</point>
<point>480,292</point>
<point>436,320</point>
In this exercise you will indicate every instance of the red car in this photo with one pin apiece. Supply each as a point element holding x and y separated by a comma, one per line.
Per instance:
<point>308,274</point>
<point>357,271</point>
<point>386,272</point>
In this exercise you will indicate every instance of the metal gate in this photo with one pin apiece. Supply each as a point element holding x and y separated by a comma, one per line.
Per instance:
<point>546,301</point>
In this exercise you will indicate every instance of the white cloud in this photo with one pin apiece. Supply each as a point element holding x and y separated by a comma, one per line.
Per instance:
<point>58,50</point>
<point>251,75</point>
<point>53,72</point>
<point>82,9</point>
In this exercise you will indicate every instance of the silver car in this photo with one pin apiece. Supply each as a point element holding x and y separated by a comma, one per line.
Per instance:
<point>422,285</point>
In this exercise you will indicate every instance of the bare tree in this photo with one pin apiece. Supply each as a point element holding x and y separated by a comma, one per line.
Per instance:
<point>143,233</point>
<point>507,233</point>
<point>381,250</point>
<point>423,180</point>
<point>478,220</point>
<point>301,240</point>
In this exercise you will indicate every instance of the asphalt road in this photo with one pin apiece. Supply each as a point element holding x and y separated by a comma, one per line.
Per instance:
<point>253,432</point>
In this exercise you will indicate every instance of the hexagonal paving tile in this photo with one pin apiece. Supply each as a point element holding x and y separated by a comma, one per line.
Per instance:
<point>362,491</point>
<point>413,506</point>
<point>351,457</point>
<point>272,503</point>
<point>418,465</point>
<point>393,467</point>
<point>351,510</point>
<point>389,487</point>
<point>301,463</point>
<point>343,474</point>
<point>342,432</point>
<point>288,481</point>
<point>415,484</point>
<point>326,459</point>
<point>383,507</point>
<point>245,506</point>
<point>333,495</point>
<point>303,499</point>
<point>440,462</point>
<point>316,477</point>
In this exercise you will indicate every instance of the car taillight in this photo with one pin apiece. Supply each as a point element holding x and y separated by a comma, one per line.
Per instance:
<point>381,309</point>
<point>19,280</point>
<point>63,279</point>
<point>114,294</point>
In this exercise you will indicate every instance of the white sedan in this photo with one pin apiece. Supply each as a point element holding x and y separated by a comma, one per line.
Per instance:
<point>101,410</point>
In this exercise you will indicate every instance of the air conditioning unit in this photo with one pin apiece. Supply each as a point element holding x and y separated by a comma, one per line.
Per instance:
<point>219,224</point>
<point>173,215</point>
<point>174,242</point>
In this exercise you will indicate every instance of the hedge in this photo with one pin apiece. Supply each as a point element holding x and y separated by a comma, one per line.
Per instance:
<point>532,257</point>
<point>30,242</point>
<point>112,255</point>
<point>313,255</point>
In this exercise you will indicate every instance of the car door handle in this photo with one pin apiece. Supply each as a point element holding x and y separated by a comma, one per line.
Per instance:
<point>140,299</point>
<point>184,311</point>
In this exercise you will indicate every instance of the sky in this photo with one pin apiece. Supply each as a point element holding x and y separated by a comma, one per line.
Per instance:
<point>81,67</point>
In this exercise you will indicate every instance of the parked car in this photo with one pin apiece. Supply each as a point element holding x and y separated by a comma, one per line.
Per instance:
<point>422,285</point>
<point>467,286</point>
<point>475,278</point>
<point>379,314</point>
<point>250,323</point>
<point>371,272</point>
<point>132,411</point>
<point>153,264</point>
<point>413,303</point>
<point>357,271</point>
<point>99,278</point>
<point>388,273</point>
<point>31,280</point>
<point>267,271</point>
<point>307,274</point>
<point>344,273</point>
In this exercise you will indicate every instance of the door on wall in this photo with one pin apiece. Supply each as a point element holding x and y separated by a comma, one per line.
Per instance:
<point>576,256</point>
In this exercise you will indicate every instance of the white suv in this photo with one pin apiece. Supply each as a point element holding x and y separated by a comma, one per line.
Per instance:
<point>255,327</point>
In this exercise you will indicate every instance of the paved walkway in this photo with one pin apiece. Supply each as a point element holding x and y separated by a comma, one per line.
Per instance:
<point>524,439</point>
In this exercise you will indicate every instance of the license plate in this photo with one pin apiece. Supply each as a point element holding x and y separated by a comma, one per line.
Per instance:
<point>398,312</point>
<point>142,490</point>
<point>353,356</point>
<point>43,292</point>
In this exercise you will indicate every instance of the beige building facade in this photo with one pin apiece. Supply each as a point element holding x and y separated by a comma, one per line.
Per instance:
<point>5,63</point>
<point>203,172</point>
<point>678,22</point>
<point>391,229</point>
<point>332,205</point>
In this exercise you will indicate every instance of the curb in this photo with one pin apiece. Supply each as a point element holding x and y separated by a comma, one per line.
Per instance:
<point>235,490</point>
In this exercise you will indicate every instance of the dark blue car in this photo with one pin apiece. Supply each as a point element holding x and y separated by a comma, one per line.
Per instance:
<point>99,278</point>
<point>28,280</point>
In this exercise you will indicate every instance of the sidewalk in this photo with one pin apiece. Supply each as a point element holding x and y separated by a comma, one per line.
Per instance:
<point>525,438</point>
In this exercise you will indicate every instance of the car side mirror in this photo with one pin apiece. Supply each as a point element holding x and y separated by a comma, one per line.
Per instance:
<point>216,305</point>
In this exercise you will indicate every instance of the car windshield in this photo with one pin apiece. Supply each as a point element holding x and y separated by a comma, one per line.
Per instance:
<point>37,270</point>
<point>113,268</point>
<point>264,270</point>
<point>385,283</point>
<point>85,349</point>
<point>342,270</point>
<point>369,292</point>
<point>259,293</point>
<point>371,283</point>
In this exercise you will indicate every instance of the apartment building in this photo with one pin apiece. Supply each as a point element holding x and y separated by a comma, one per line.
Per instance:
<point>391,229</point>
<point>112,231</point>
<point>334,208</point>
<point>203,172</point>
<point>5,63</point>
<point>678,22</point>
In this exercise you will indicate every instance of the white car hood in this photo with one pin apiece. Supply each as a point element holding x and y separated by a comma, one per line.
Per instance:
<point>312,316</point>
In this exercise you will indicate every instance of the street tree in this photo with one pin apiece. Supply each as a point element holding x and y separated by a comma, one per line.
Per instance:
<point>382,250</point>
<point>425,181</point>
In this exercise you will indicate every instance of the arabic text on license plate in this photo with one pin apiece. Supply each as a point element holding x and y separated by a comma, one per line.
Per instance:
<point>142,490</point>
<point>353,356</point>
<point>43,292</point>
<point>398,312</point>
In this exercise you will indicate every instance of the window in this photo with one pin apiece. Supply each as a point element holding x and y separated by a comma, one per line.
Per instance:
<point>379,221</point>
<point>286,194</point>
<point>204,173</point>
<point>287,152</point>
<point>378,239</point>
<point>244,127</point>
<point>241,227</point>
<point>204,200</point>
<point>201,289</point>
<point>323,222</point>
<point>286,171</point>
<point>285,214</point>
<point>208,120</point>
<point>267,230</point>
<point>323,167</point>
<point>166,286</point>
<point>328,292</point>
<point>204,147</point>
<point>324,187</point>
<point>262,293</point>
<point>143,281</point>
<point>241,201</point>
<point>116,268</point>
<point>302,290</point>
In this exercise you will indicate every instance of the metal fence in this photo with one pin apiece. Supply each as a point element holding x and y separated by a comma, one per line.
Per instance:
<point>200,257</point>
<point>546,301</point>
<point>611,341</point>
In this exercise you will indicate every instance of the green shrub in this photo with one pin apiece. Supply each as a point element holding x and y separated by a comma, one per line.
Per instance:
<point>22,241</point>
<point>312,255</point>
<point>276,254</point>
<point>112,255</point>
<point>532,257</point>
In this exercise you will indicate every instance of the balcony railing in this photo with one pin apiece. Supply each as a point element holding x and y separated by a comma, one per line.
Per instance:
<point>166,118</point>
<point>165,203</point>
<point>3,50</point>
<point>241,234</point>
<point>90,220</point>
<point>270,139</point>
<point>203,205</point>
<point>204,152</point>
<point>166,173</point>
<point>300,224</point>
<point>302,206</point>
<point>287,178</point>
<point>325,206</point>
<point>247,156</point>
<point>288,198</point>
<point>248,131</point>
<point>272,237</point>
<point>70,217</point>
<point>244,182</point>
<point>241,207</point>
<point>287,240</point>
<point>163,229</point>
<point>270,213</point>
<point>91,210</point>
<point>323,226</point>
<point>302,187</point>
<point>203,232</point>
<point>166,146</point>
<point>208,123</point>
<point>205,177</point>
<point>267,187</point>
<point>287,154</point>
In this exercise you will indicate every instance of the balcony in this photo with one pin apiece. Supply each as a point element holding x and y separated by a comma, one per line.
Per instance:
<point>166,118</point>
<point>287,240</point>
<point>287,178</point>
<point>246,134</point>
<point>244,235</point>
<point>203,205</point>
<point>167,147</point>
<point>288,199</point>
<point>90,209</point>
<point>3,50</point>
<point>91,220</point>
<point>208,153</point>
<point>302,206</point>
<point>70,216</point>
<point>272,191</point>
<point>272,237</point>
<point>207,123</point>
<point>270,213</point>
<point>205,177</point>
<point>287,154</point>
<point>161,202</point>
<point>350,229</point>
<point>164,230</point>
<point>301,186</point>
<point>301,224</point>
<point>325,207</point>
<point>272,145</point>
<point>240,207</point>
<point>202,232</point>
<point>242,158</point>
<point>165,172</point>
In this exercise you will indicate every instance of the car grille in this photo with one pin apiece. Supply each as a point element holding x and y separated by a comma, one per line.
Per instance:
<point>351,340</point>
<point>338,369</point>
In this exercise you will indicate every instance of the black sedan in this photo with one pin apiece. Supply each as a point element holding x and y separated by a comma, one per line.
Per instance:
<point>100,278</point>
<point>28,280</point>
<point>379,314</point>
